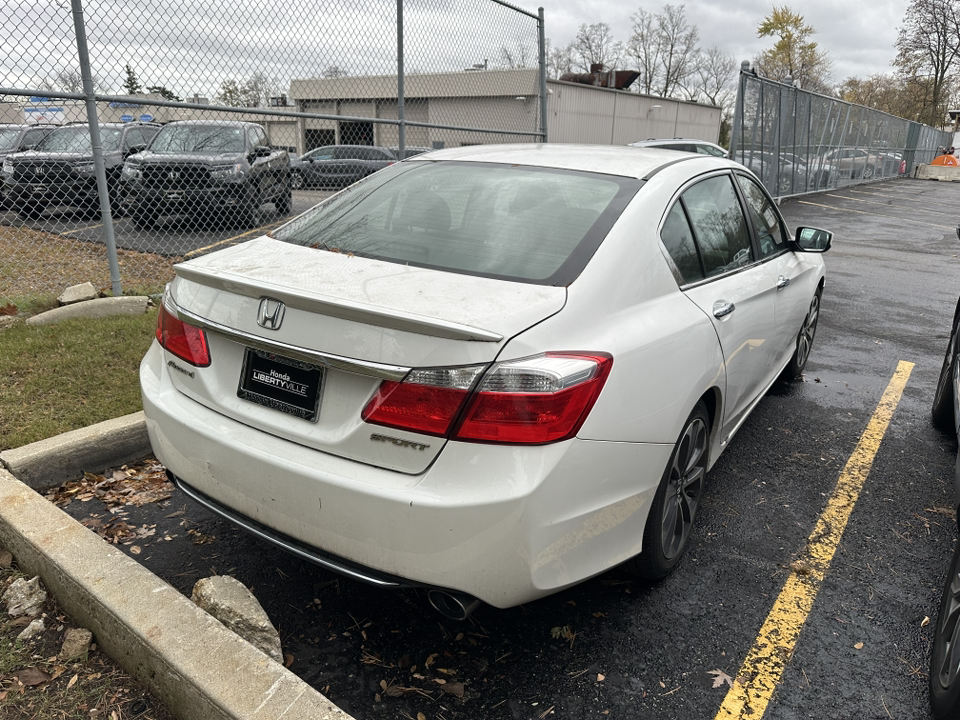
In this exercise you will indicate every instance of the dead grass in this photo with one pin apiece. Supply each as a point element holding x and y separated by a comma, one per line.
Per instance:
<point>36,684</point>
<point>36,266</point>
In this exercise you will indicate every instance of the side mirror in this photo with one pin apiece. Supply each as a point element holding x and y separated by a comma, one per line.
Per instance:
<point>134,149</point>
<point>262,151</point>
<point>810,239</point>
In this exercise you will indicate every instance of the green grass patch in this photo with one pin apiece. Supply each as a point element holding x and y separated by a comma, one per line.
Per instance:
<point>56,378</point>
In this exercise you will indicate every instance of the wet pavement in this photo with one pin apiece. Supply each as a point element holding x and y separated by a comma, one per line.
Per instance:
<point>617,648</point>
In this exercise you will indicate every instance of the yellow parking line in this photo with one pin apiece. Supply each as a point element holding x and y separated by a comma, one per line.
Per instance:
<point>875,202</point>
<point>262,230</point>
<point>757,680</point>
<point>876,214</point>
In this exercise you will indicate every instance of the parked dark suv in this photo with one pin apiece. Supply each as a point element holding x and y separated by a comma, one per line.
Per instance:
<point>214,167</point>
<point>17,138</point>
<point>60,172</point>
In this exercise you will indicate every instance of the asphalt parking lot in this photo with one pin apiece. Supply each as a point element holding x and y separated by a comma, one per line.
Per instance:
<point>687,646</point>
<point>173,236</point>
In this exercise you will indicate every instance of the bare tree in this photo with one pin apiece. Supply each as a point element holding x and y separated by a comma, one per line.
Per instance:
<point>558,59</point>
<point>714,78</point>
<point>259,88</point>
<point>519,57</point>
<point>594,44</point>
<point>927,47</point>
<point>678,48</point>
<point>335,71</point>
<point>664,48</point>
<point>69,80</point>
<point>644,49</point>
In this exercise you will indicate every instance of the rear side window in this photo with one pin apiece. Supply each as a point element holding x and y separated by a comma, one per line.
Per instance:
<point>678,240</point>
<point>528,224</point>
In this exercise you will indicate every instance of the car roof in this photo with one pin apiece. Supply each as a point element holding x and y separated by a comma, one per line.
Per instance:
<point>214,123</point>
<point>610,159</point>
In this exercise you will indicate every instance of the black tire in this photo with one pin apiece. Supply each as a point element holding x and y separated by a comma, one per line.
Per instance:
<point>945,397</point>
<point>804,342</point>
<point>284,203</point>
<point>945,654</point>
<point>296,181</point>
<point>674,508</point>
<point>250,214</point>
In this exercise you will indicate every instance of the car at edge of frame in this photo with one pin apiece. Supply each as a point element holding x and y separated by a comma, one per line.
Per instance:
<point>336,166</point>
<point>491,372</point>
<point>945,653</point>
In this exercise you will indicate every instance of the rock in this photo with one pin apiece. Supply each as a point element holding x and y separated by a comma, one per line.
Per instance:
<point>76,643</point>
<point>37,627</point>
<point>230,602</point>
<point>25,597</point>
<point>77,293</point>
<point>6,559</point>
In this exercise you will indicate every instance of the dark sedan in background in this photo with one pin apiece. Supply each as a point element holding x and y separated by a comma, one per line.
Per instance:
<point>339,165</point>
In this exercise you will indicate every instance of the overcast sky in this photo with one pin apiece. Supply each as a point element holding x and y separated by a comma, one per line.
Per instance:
<point>858,36</point>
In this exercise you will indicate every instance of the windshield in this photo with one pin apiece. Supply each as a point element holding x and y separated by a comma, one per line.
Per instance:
<point>200,139</point>
<point>530,224</point>
<point>320,153</point>
<point>76,139</point>
<point>8,138</point>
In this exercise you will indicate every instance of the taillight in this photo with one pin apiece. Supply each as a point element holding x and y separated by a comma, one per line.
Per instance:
<point>532,401</point>
<point>187,342</point>
<point>427,401</point>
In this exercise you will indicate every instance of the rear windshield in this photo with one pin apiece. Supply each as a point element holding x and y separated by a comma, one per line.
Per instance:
<point>520,223</point>
<point>201,139</point>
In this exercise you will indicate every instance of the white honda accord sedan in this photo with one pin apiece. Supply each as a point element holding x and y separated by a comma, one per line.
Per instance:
<point>492,371</point>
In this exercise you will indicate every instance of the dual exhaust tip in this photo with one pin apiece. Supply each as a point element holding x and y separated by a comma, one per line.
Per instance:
<point>454,605</point>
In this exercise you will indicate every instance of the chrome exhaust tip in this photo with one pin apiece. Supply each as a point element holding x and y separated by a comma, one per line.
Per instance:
<point>454,605</point>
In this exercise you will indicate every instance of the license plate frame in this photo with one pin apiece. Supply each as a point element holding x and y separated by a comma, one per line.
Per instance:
<point>280,383</point>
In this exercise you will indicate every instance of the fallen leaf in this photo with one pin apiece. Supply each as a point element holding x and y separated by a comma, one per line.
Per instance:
<point>926,621</point>
<point>453,688</point>
<point>601,677</point>
<point>287,660</point>
<point>73,681</point>
<point>135,549</point>
<point>720,678</point>
<point>431,660</point>
<point>421,716</point>
<point>32,676</point>
<point>8,309</point>
<point>859,646</point>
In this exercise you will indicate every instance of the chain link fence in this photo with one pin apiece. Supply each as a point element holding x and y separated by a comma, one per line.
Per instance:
<point>135,133</point>
<point>800,142</point>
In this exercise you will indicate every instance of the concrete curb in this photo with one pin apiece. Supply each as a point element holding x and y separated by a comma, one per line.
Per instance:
<point>47,463</point>
<point>199,668</point>
<point>99,308</point>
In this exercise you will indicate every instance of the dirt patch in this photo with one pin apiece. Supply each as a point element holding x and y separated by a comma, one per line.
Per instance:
<point>40,264</point>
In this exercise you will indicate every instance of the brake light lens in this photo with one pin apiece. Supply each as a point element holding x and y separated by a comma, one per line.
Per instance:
<point>187,342</point>
<point>426,401</point>
<point>532,401</point>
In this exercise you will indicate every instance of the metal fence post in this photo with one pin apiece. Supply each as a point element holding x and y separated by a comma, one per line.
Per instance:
<point>402,127</point>
<point>543,75</point>
<point>94,123</point>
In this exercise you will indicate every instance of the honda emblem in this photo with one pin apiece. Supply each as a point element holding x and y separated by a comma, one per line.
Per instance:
<point>270,314</point>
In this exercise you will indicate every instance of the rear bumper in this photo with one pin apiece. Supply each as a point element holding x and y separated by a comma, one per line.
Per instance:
<point>504,524</point>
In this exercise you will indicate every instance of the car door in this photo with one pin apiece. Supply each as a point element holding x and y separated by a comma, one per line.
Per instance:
<point>707,235</point>
<point>792,278</point>
<point>260,175</point>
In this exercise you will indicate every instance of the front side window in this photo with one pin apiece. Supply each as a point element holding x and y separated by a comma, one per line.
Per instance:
<point>529,224</point>
<point>719,225</point>
<point>9,138</point>
<point>771,236</point>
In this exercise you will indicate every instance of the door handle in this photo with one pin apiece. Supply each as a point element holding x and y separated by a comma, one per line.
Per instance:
<point>782,282</point>
<point>722,308</point>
